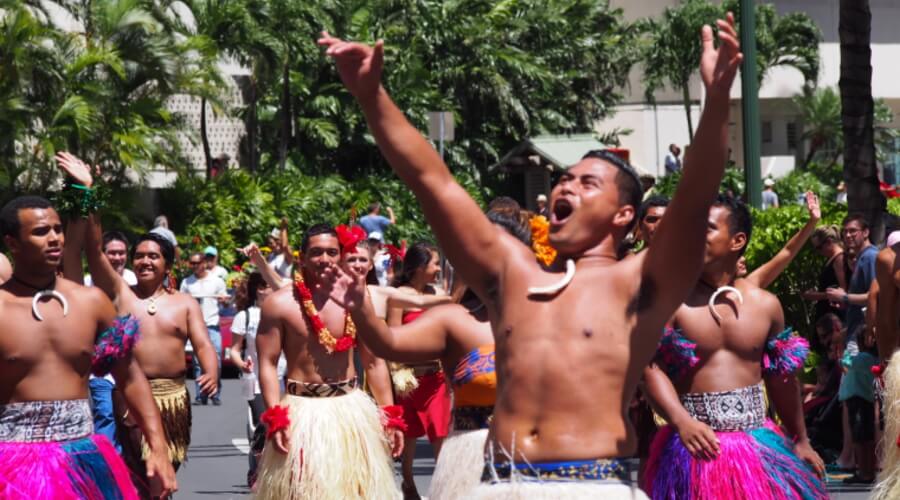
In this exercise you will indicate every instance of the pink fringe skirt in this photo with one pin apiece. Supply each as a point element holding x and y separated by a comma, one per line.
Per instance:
<point>758,464</point>
<point>86,468</point>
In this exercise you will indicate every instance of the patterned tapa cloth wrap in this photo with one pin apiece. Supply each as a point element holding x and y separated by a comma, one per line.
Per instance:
<point>756,459</point>
<point>47,450</point>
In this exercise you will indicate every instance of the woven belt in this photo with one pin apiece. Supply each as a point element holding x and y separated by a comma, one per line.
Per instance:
<point>46,421</point>
<point>738,410</point>
<point>601,469</point>
<point>325,390</point>
<point>472,418</point>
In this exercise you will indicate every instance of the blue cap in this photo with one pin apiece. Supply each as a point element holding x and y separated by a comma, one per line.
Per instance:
<point>211,251</point>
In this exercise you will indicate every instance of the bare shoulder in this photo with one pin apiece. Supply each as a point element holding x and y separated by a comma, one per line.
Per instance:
<point>759,297</point>
<point>279,303</point>
<point>887,256</point>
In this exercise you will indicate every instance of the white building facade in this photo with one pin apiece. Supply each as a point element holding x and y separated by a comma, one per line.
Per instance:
<point>655,126</point>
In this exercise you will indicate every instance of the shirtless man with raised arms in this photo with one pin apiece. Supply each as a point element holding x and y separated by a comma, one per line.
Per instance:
<point>569,356</point>
<point>167,318</point>
<point>49,335</point>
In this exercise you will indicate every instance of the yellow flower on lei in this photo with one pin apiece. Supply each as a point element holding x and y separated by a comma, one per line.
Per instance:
<point>540,240</point>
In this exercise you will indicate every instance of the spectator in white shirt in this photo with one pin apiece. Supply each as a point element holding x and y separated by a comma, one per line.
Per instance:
<point>211,255</point>
<point>210,291</point>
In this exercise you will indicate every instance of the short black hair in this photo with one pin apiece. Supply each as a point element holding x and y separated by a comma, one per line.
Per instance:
<point>653,201</point>
<point>10,224</point>
<point>503,203</point>
<point>739,219</point>
<point>315,230</point>
<point>114,236</point>
<point>165,246</point>
<point>627,180</point>
<point>858,218</point>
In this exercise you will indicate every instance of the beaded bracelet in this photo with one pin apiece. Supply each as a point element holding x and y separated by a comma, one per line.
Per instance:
<point>276,418</point>
<point>78,199</point>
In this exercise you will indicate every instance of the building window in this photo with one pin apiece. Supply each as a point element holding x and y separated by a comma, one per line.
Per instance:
<point>767,132</point>
<point>891,165</point>
<point>791,135</point>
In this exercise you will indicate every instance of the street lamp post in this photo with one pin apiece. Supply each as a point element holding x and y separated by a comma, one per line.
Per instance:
<point>750,104</point>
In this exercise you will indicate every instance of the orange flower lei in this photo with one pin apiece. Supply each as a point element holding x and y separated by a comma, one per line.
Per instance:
<point>540,240</point>
<point>326,339</point>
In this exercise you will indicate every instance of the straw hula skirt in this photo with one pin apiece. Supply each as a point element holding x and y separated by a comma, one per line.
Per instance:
<point>337,448</point>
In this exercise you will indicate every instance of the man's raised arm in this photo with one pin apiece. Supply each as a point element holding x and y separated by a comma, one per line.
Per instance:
<point>888,328</point>
<point>470,241</point>
<point>673,262</point>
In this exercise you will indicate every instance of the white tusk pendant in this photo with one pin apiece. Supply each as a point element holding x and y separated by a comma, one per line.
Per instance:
<point>712,300</point>
<point>52,294</point>
<point>556,287</point>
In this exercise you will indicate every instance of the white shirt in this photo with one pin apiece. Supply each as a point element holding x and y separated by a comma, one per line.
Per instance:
<point>219,271</point>
<point>206,291</point>
<point>281,266</point>
<point>127,275</point>
<point>248,328</point>
<point>382,260</point>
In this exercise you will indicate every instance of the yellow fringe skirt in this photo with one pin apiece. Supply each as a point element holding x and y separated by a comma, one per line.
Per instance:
<point>174,403</point>
<point>337,448</point>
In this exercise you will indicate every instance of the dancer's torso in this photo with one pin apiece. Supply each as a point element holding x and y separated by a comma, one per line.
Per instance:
<point>731,352</point>
<point>567,367</point>
<point>50,359</point>
<point>160,350</point>
<point>307,360</point>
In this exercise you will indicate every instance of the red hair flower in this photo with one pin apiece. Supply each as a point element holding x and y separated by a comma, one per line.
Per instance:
<point>349,237</point>
<point>397,253</point>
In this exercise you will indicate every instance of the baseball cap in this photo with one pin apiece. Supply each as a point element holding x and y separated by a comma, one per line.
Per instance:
<point>768,183</point>
<point>210,251</point>
<point>541,197</point>
<point>377,236</point>
<point>893,239</point>
<point>276,233</point>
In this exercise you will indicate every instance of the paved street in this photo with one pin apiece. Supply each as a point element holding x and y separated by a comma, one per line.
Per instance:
<point>217,466</point>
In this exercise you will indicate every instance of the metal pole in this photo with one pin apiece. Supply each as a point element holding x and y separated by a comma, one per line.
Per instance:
<point>750,104</point>
<point>441,142</point>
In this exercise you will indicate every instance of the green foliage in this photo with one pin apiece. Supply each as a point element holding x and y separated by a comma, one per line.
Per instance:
<point>790,187</point>
<point>97,87</point>
<point>672,51</point>
<point>771,231</point>
<point>893,206</point>
<point>732,181</point>
<point>237,207</point>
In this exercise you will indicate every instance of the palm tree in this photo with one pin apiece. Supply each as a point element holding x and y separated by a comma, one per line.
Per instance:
<point>820,111</point>
<point>857,114</point>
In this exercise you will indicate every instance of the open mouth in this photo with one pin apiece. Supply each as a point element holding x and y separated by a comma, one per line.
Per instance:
<point>562,210</point>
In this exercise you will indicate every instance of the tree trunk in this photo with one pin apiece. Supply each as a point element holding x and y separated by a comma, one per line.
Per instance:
<point>285,113</point>
<point>857,114</point>
<point>686,96</point>
<point>204,138</point>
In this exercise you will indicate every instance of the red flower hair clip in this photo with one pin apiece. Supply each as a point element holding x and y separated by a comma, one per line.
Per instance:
<point>350,236</point>
<point>397,253</point>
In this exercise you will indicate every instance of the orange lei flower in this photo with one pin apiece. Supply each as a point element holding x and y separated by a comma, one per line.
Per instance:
<point>326,339</point>
<point>540,240</point>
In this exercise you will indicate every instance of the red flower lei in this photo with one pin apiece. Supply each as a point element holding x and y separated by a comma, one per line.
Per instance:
<point>326,339</point>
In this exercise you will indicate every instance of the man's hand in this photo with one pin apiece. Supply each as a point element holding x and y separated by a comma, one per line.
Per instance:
<point>699,439</point>
<point>160,474</point>
<point>75,168</point>
<point>812,205</point>
<point>248,366</point>
<point>282,441</point>
<point>348,289</point>
<point>358,64</point>
<point>836,295</point>
<point>811,294</point>
<point>719,66</point>
<point>806,453</point>
<point>395,436</point>
<point>208,385</point>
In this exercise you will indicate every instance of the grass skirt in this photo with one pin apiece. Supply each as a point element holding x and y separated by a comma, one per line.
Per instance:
<point>758,464</point>
<point>549,490</point>
<point>888,487</point>
<point>174,402</point>
<point>459,466</point>
<point>338,450</point>
<point>86,468</point>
